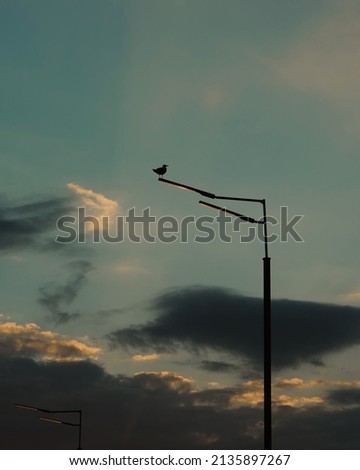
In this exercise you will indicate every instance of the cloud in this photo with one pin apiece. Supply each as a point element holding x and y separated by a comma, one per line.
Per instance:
<point>218,366</point>
<point>351,297</point>
<point>164,380</point>
<point>97,212</point>
<point>28,340</point>
<point>146,357</point>
<point>348,397</point>
<point>222,320</point>
<point>30,225</point>
<point>149,410</point>
<point>325,61</point>
<point>251,393</point>
<point>297,382</point>
<point>298,402</point>
<point>54,297</point>
<point>317,428</point>
<point>97,203</point>
<point>161,410</point>
<point>294,382</point>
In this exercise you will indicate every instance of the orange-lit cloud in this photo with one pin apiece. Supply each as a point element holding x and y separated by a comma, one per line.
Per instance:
<point>170,380</point>
<point>214,385</point>
<point>297,402</point>
<point>97,203</point>
<point>130,268</point>
<point>145,357</point>
<point>296,382</point>
<point>351,297</point>
<point>206,439</point>
<point>29,340</point>
<point>254,384</point>
<point>253,393</point>
<point>249,394</point>
<point>252,398</point>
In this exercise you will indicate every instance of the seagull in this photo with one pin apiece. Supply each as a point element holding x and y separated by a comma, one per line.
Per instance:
<point>161,170</point>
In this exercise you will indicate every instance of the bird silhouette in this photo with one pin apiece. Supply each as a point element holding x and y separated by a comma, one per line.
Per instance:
<point>161,170</point>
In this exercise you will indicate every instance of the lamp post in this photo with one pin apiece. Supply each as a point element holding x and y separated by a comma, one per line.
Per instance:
<point>266,293</point>
<point>56,421</point>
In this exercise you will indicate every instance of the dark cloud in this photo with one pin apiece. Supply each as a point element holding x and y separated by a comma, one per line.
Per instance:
<point>219,366</point>
<point>29,225</point>
<point>317,428</point>
<point>152,411</point>
<point>56,297</point>
<point>118,412</point>
<point>345,397</point>
<point>223,320</point>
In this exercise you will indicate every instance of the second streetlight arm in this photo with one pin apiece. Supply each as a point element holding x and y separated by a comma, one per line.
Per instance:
<point>228,211</point>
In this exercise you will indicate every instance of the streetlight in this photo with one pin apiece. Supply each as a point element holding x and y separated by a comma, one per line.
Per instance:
<point>56,421</point>
<point>266,293</point>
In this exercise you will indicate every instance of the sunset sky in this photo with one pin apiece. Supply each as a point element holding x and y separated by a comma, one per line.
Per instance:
<point>160,342</point>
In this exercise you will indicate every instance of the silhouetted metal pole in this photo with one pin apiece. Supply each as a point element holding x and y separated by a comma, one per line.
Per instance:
<point>267,340</point>
<point>80,427</point>
<point>266,295</point>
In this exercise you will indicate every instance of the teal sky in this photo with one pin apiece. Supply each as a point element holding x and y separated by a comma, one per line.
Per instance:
<point>241,98</point>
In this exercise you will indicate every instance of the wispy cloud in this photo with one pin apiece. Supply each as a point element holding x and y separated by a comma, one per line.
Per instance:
<point>325,61</point>
<point>30,225</point>
<point>98,204</point>
<point>57,297</point>
<point>28,340</point>
<point>219,366</point>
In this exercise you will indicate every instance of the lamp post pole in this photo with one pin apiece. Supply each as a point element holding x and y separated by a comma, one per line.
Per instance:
<point>266,295</point>
<point>267,341</point>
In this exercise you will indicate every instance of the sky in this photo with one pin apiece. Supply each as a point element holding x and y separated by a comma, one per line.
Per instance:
<point>153,325</point>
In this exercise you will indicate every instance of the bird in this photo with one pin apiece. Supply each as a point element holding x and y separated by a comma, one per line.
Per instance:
<point>161,170</point>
